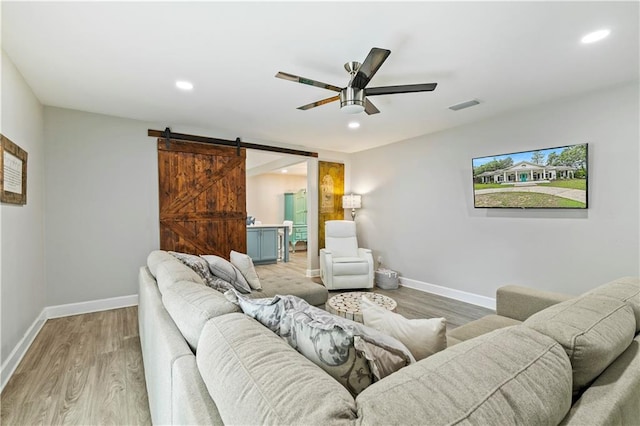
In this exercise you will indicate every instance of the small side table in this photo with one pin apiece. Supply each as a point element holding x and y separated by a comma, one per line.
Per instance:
<point>347,305</point>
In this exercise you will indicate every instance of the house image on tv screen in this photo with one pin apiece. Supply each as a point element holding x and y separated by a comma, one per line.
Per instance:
<point>525,171</point>
<point>547,178</point>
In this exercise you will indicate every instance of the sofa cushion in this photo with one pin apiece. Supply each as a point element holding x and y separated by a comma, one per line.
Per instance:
<point>593,330</point>
<point>273,284</point>
<point>423,337</point>
<point>519,303</point>
<point>191,305</point>
<point>244,263</point>
<point>355,355</point>
<point>626,289</point>
<point>155,258</point>
<point>254,377</point>
<point>479,327</point>
<point>613,398</point>
<point>514,375</point>
<point>173,271</point>
<point>224,269</point>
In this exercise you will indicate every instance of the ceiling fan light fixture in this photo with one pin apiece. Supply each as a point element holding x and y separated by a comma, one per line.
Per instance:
<point>352,108</point>
<point>352,100</point>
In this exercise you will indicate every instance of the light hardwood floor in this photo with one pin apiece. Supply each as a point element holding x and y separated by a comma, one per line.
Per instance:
<point>80,370</point>
<point>411,303</point>
<point>87,369</point>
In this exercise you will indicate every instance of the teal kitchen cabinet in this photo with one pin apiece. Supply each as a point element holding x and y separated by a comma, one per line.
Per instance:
<point>262,244</point>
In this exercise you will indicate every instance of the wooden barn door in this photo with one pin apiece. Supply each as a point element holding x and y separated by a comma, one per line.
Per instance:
<point>202,198</point>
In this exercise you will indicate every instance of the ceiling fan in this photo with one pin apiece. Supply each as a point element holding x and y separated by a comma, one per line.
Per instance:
<point>353,98</point>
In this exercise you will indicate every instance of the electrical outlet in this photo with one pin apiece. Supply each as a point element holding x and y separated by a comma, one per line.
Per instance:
<point>379,259</point>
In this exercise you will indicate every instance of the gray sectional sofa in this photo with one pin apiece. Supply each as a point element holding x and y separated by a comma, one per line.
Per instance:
<point>552,360</point>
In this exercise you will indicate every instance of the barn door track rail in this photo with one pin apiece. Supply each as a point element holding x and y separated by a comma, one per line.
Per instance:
<point>168,135</point>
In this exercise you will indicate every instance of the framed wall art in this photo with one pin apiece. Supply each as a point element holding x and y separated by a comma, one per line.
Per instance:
<point>13,172</point>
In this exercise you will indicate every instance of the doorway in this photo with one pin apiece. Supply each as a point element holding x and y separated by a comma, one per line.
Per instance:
<point>281,188</point>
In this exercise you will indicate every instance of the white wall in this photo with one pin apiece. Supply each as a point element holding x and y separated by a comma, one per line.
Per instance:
<point>102,204</point>
<point>265,195</point>
<point>418,202</point>
<point>22,273</point>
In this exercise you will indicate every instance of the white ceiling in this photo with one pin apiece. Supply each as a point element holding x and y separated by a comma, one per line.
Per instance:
<point>260,162</point>
<point>123,58</point>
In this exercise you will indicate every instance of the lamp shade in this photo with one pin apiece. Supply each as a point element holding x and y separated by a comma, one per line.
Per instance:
<point>351,201</point>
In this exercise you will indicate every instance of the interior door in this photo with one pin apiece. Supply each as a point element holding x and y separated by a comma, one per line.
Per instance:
<point>202,198</point>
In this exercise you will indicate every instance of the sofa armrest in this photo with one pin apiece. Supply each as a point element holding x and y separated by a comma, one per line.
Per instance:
<point>520,303</point>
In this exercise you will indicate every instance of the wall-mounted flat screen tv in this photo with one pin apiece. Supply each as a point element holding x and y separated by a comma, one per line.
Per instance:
<point>550,178</point>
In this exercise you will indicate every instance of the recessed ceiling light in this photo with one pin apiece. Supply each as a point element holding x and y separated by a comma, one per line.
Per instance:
<point>184,85</point>
<point>354,125</point>
<point>285,171</point>
<point>595,36</point>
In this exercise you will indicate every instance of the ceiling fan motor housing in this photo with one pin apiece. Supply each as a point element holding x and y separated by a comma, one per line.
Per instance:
<point>352,100</point>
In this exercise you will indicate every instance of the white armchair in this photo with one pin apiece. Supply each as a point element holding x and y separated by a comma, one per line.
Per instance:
<point>342,264</point>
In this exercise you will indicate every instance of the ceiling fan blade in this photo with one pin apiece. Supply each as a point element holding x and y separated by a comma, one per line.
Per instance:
<point>370,108</point>
<point>406,88</point>
<point>296,79</point>
<point>369,67</point>
<point>318,103</point>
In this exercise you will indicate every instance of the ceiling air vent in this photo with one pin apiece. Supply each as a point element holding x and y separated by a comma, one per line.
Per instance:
<point>464,105</point>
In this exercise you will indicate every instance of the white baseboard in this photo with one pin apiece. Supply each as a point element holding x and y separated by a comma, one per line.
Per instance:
<point>312,273</point>
<point>11,363</point>
<point>463,296</point>
<point>91,306</point>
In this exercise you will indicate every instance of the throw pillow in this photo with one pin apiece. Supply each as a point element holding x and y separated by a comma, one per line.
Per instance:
<point>423,337</point>
<point>201,267</point>
<point>244,263</point>
<point>330,347</point>
<point>341,346</point>
<point>267,311</point>
<point>224,269</point>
